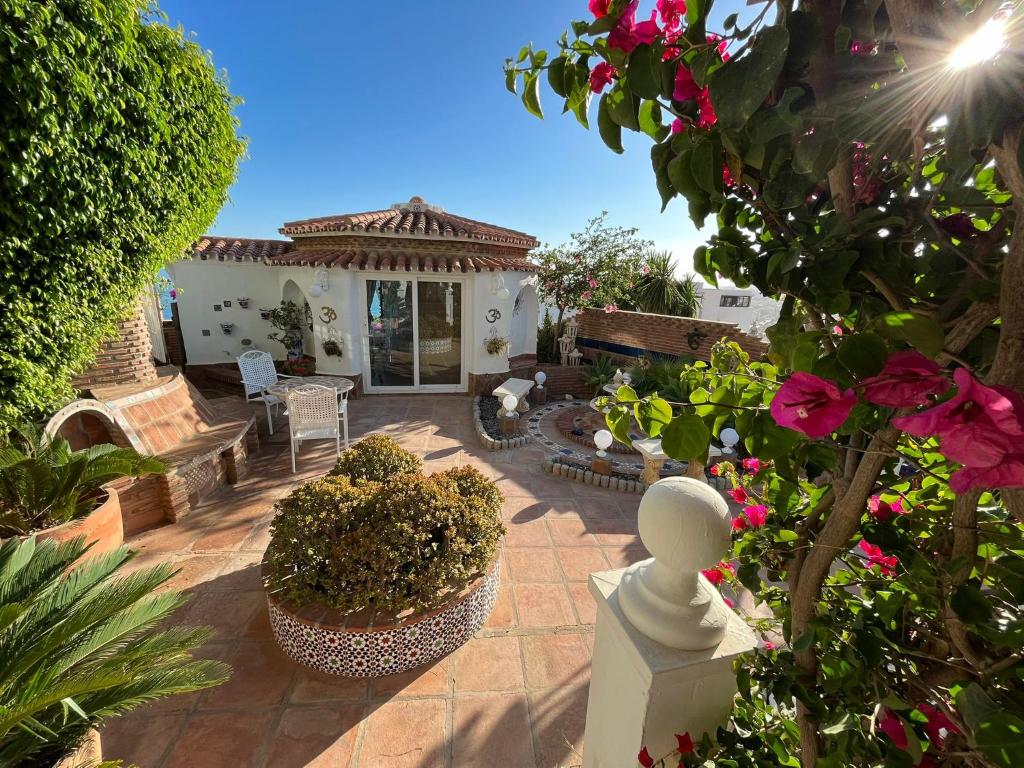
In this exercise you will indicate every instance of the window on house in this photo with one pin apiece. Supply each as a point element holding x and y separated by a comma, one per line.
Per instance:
<point>735,301</point>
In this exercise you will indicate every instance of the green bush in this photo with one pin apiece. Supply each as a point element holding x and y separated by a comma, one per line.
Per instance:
<point>598,373</point>
<point>665,376</point>
<point>407,543</point>
<point>376,457</point>
<point>117,147</point>
<point>435,327</point>
<point>44,483</point>
<point>547,340</point>
<point>83,645</point>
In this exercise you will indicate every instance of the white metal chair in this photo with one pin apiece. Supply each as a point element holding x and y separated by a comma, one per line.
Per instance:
<point>258,373</point>
<point>313,415</point>
<point>343,414</point>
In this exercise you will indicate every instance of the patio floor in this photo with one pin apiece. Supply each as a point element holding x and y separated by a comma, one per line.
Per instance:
<point>514,696</point>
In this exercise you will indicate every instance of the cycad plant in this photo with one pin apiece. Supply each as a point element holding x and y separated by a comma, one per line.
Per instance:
<point>81,645</point>
<point>661,292</point>
<point>598,373</point>
<point>44,483</point>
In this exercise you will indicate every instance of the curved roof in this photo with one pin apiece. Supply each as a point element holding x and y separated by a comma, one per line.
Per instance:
<point>415,219</point>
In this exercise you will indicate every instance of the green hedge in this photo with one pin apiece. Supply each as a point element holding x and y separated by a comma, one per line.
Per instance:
<point>117,147</point>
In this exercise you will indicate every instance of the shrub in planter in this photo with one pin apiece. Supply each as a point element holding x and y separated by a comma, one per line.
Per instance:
<point>376,457</point>
<point>407,543</point>
<point>81,646</point>
<point>435,328</point>
<point>43,483</point>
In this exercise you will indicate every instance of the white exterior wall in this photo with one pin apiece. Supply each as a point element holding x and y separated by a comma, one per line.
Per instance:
<point>203,284</point>
<point>761,313</point>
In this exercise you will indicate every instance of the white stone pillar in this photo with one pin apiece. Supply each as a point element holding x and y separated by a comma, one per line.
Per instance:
<point>665,640</point>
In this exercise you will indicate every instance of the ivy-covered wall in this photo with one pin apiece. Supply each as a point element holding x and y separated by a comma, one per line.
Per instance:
<point>117,147</point>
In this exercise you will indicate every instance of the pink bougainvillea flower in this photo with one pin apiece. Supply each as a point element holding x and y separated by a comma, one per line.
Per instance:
<point>645,269</point>
<point>623,35</point>
<point>886,563</point>
<point>757,514</point>
<point>586,295</point>
<point>723,43</point>
<point>645,759</point>
<point>713,575</point>
<point>600,76</point>
<point>708,116</point>
<point>892,726</point>
<point>883,510</point>
<point>685,89</point>
<point>939,726</point>
<point>739,523</point>
<point>671,12</point>
<point>646,32</point>
<point>592,283</point>
<point>608,308</point>
<point>978,427</point>
<point>1009,473</point>
<point>863,48</point>
<point>958,225</point>
<point>908,378</point>
<point>752,465</point>
<point>769,645</point>
<point>812,405</point>
<point>727,180</point>
<point>599,8</point>
<point>739,495</point>
<point>837,330</point>
<point>728,602</point>
<point>684,744</point>
<point>715,470</point>
<point>677,125</point>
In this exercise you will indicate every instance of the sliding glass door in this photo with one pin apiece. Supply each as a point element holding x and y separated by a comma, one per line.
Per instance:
<point>415,331</point>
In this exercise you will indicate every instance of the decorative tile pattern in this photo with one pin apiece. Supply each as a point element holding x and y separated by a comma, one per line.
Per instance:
<point>375,653</point>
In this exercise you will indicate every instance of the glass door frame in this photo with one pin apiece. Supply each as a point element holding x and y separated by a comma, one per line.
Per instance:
<point>415,279</point>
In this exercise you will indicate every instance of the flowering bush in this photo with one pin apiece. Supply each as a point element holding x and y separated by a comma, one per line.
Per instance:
<point>875,185</point>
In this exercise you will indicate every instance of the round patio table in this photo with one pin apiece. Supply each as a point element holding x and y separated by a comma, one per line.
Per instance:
<point>339,384</point>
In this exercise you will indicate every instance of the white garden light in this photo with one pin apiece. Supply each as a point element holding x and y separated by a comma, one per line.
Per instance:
<point>540,377</point>
<point>509,403</point>
<point>603,441</point>
<point>729,438</point>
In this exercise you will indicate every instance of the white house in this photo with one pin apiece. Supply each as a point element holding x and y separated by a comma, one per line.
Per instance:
<point>748,308</point>
<point>400,299</point>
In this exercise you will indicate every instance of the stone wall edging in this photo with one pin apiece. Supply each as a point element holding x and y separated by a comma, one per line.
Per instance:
<point>490,443</point>
<point>581,474</point>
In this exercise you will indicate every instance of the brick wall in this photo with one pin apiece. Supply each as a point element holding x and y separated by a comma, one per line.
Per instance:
<point>562,380</point>
<point>126,359</point>
<point>175,347</point>
<point>623,335</point>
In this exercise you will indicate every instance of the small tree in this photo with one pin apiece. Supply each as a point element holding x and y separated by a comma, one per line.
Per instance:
<point>597,268</point>
<point>661,292</point>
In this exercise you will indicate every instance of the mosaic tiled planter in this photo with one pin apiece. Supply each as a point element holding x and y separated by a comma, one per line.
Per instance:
<point>435,346</point>
<point>361,647</point>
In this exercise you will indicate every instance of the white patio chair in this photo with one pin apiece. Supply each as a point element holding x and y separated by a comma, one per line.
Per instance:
<point>258,373</point>
<point>313,415</point>
<point>343,414</point>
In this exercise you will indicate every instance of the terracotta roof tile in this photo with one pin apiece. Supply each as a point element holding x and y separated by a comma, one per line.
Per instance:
<point>399,261</point>
<point>415,218</point>
<point>212,248</point>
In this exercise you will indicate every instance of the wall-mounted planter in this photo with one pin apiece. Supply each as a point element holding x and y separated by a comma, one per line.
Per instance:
<point>227,328</point>
<point>243,302</point>
<point>435,346</point>
<point>265,313</point>
<point>364,647</point>
<point>332,348</point>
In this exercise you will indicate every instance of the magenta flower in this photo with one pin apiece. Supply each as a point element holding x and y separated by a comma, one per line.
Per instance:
<point>752,465</point>
<point>623,35</point>
<point>586,295</point>
<point>609,308</point>
<point>708,117</point>
<point>892,726</point>
<point>739,523</point>
<point>646,32</point>
<point>907,379</point>
<point>684,744</point>
<point>685,89</point>
<point>592,283</point>
<point>885,510</point>
<point>738,495</point>
<point>812,405</point>
<point>886,563</point>
<point>958,225</point>
<point>645,759</point>
<point>714,576</point>
<point>671,12</point>
<point>1009,473</point>
<point>600,76</point>
<point>757,515</point>
<point>863,48</point>
<point>677,125</point>
<point>938,726</point>
<point>599,8</point>
<point>978,427</point>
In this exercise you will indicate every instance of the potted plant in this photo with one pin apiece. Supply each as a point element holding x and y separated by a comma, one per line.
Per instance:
<point>83,643</point>
<point>57,493</point>
<point>290,321</point>
<point>496,345</point>
<point>435,336</point>
<point>332,347</point>
<point>377,568</point>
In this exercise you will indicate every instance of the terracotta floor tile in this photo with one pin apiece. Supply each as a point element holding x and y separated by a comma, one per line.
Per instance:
<point>624,556</point>
<point>225,537</point>
<point>559,719</point>
<point>571,532</point>
<point>531,533</point>
<point>543,605</point>
<point>194,571</point>
<point>260,677</point>
<point>405,734</point>
<point>140,741</point>
<point>532,564</point>
<point>492,730</point>
<point>229,613</point>
<point>503,616</point>
<point>555,660</point>
<point>579,562</point>
<point>599,508</point>
<point>428,680</point>
<point>313,686</point>
<point>315,737</point>
<point>489,664</point>
<point>219,739</point>
<point>586,608</point>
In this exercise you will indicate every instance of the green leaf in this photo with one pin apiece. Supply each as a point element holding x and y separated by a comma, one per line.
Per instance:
<point>919,331</point>
<point>863,354</point>
<point>652,414</point>
<point>681,175</point>
<point>971,605</point>
<point>644,72</point>
<point>661,154</point>
<point>531,94</point>
<point>785,190</point>
<point>998,733</point>
<point>510,76</point>
<point>623,107</point>
<point>741,86</point>
<point>686,437</point>
<point>626,394</point>
<point>618,420</point>
<point>706,166</point>
<point>650,121</point>
<point>611,131</point>
<point>556,76</point>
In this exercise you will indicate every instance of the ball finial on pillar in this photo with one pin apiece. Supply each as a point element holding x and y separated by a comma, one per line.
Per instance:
<point>685,525</point>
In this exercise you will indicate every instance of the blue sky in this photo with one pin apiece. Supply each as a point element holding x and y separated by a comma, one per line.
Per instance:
<point>353,106</point>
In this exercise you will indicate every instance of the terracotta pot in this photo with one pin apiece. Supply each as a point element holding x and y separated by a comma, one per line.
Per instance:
<point>89,755</point>
<point>369,644</point>
<point>103,526</point>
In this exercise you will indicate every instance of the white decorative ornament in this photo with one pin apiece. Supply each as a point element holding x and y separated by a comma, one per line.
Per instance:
<point>509,403</point>
<point>540,377</point>
<point>603,441</point>
<point>685,524</point>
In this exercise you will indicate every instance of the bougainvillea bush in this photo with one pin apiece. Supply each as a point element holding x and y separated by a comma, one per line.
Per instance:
<point>117,147</point>
<point>862,162</point>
